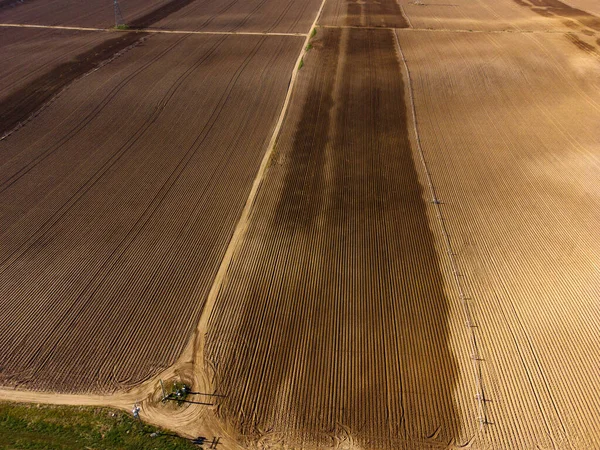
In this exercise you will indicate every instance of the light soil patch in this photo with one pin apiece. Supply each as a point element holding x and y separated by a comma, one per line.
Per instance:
<point>259,16</point>
<point>483,15</point>
<point>507,127</point>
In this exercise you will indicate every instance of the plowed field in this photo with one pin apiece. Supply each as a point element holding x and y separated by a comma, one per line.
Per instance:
<point>113,223</point>
<point>359,13</point>
<point>498,15</point>
<point>333,322</point>
<point>508,125</point>
<point>88,13</point>
<point>28,53</point>
<point>33,82</point>
<point>413,265</point>
<point>288,16</point>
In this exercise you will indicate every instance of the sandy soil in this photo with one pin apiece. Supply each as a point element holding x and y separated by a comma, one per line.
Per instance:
<point>591,6</point>
<point>500,15</point>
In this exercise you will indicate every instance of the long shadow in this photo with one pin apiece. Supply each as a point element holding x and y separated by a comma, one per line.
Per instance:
<point>334,322</point>
<point>19,105</point>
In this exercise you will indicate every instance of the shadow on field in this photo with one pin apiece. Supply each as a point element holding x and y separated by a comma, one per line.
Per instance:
<point>19,105</point>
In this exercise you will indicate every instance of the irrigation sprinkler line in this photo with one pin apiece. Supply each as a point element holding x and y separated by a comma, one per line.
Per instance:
<point>275,33</point>
<point>480,392</point>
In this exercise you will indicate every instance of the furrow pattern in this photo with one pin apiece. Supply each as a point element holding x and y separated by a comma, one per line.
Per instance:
<point>332,324</point>
<point>119,253</point>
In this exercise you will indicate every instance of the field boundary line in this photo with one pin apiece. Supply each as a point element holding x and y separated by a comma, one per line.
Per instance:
<point>152,30</point>
<point>410,25</point>
<point>56,27</point>
<point>242,225</point>
<point>475,356</point>
<point>265,33</point>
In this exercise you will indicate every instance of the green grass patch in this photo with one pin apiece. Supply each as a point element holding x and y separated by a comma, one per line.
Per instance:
<point>301,64</point>
<point>313,33</point>
<point>32,427</point>
<point>122,26</point>
<point>308,47</point>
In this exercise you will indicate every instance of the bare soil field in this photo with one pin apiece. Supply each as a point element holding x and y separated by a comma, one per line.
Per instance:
<point>419,264</point>
<point>287,16</point>
<point>509,129</point>
<point>333,324</point>
<point>498,15</point>
<point>22,103</point>
<point>31,82</point>
<point>28,53</point>
<point>591,6</point>
<point>363,13</point>
<point>117,207</point>
<point>88,13</point>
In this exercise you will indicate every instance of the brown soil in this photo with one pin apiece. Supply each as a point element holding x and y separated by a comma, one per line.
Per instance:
<point>556,8</point>
<point>111,225</point>
<point>363,13</point>
<point>89,13</point>
<point>343,309</point>
<point>332,323</point>
<point>244,15</point>
<point>507,124</point>
<point>18,106</point>
<point>27,53</point>
<point>484,15</point>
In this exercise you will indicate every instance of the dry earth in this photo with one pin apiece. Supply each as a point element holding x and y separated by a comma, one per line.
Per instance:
<point>28,53</point>
<point>591,6</point>
<point>90,13</point>
<point>288,16</point>
<point>508,125</point>
<point>415,265</point>
<point>501,15</point>
<point>111,229</point>
<point>332,324</point>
